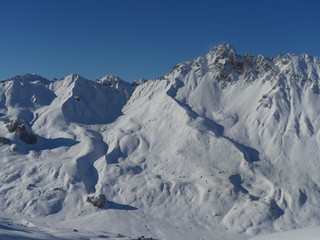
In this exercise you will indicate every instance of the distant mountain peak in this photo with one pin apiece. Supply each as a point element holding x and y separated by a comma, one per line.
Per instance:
<point>223,50</point>
<point>28,77</point>
<point>139,81</point>
<point>113,81</point>
<point>111,78</point>
<point>75,77</point>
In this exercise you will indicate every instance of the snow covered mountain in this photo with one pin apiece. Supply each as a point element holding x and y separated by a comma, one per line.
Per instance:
<point>223,147</point>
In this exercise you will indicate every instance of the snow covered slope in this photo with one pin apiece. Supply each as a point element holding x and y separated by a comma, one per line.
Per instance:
<point>311,233</point>
<point>224,146</point>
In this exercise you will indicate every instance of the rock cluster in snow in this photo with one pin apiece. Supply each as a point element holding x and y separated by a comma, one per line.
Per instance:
<point>18,126</point>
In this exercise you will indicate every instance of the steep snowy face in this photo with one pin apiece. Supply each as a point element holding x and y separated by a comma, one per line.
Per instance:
<point>88,102</point>
<point>223,144</point>
<point>267,104</point>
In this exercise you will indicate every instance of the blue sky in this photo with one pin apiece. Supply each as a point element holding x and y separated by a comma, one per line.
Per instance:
<point>145,38</point>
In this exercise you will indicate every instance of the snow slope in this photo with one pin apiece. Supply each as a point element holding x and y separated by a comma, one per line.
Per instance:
<point>311,233</point>
<point>222,147</point>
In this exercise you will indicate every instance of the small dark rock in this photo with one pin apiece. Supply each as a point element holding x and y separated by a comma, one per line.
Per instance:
<point>31,186</point>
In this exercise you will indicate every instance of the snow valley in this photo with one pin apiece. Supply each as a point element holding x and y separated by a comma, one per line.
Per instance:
<point>223,147</point>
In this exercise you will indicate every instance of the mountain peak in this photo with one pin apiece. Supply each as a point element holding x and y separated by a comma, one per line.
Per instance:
<point>28,77</point>
<point>111,80</point>
<point>223,50</point>
<point>74,77</point>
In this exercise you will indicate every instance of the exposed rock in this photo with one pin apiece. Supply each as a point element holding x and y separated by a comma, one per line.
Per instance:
<point>97,201</point>
<point>4,140</point>
<point>18,126</point>
<point>315,88</point>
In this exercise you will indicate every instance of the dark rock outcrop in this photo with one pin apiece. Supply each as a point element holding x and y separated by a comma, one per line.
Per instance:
<point>97,201</point>
<point>19,127</point>
<point>4,140</point>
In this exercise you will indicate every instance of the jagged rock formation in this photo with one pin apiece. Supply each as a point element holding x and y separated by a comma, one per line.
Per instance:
<point>18,126</point>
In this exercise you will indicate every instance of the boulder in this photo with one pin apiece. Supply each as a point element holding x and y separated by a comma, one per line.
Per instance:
<point>97,201</point>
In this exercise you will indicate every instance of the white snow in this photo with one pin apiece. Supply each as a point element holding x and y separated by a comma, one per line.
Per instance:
<point>311,233</point>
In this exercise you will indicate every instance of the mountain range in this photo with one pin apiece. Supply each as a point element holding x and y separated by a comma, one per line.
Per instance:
<point>224,146</point>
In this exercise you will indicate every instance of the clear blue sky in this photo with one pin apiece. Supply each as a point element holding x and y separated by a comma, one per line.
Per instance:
<point>145,38</point>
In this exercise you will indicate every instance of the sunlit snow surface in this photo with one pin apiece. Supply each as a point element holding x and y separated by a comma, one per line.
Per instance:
<point>312,233</point>
<point>223,147</point>
<point>27,232</point>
